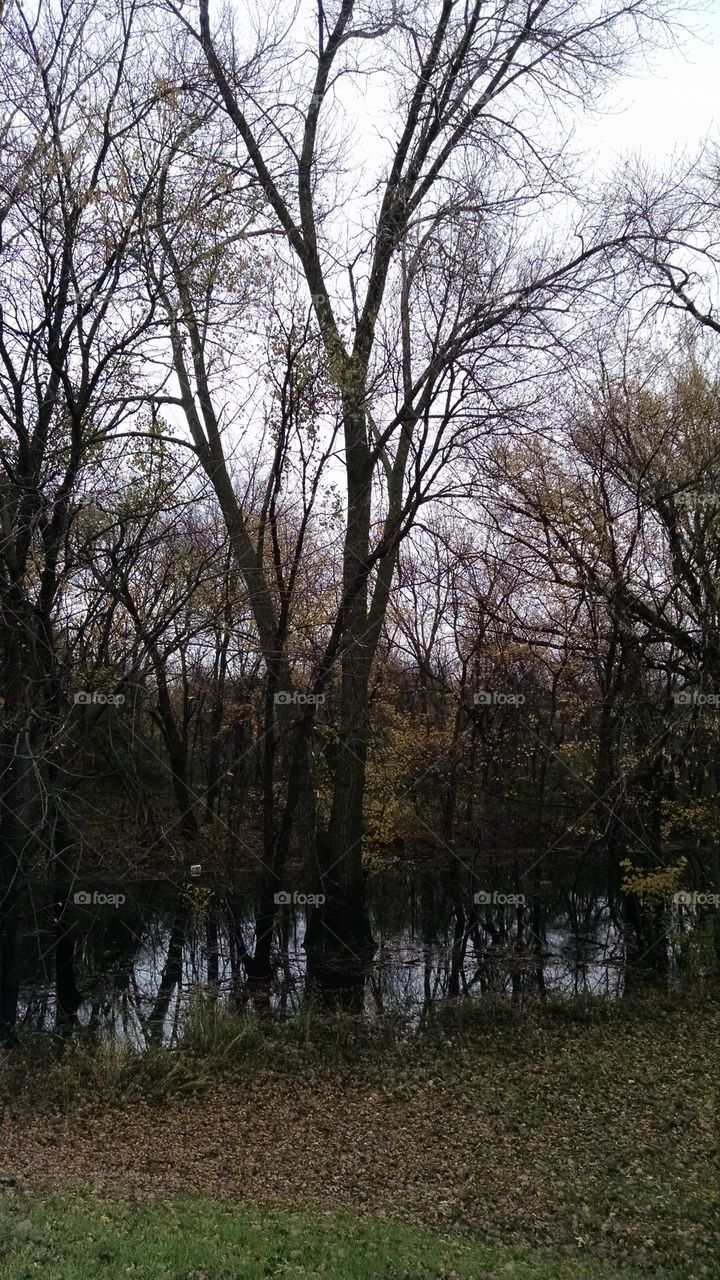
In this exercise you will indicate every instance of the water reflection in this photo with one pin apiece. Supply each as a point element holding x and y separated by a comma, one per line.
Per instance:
<point>136,964</point>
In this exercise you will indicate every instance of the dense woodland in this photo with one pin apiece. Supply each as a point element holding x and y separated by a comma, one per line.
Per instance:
<point>360,458</point>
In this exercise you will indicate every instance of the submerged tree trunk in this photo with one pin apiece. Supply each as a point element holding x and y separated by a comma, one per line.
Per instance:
<point>68,998</point>
<point>171,976</point>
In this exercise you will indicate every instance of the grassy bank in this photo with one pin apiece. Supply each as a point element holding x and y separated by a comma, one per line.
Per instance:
<point>579,1137</point>
<point>61,1237</point>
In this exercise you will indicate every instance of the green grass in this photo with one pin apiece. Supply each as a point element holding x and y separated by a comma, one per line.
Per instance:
<point>63,1237</point>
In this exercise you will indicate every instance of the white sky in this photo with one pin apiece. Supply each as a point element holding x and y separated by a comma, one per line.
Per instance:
<point>670,108</point>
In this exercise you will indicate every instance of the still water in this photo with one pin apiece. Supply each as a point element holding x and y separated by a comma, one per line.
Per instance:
<point>140,949</point>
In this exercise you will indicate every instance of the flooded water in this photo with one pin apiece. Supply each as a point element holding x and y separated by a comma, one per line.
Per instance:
<point>135,951</point>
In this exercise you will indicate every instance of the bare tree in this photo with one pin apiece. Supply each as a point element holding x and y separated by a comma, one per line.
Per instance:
<point>442,277</point>
<point>71,332</point>
<point>624,512</point>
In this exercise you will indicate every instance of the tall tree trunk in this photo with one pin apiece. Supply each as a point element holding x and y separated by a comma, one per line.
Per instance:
<point>340,929</point>
<point>16,777</point>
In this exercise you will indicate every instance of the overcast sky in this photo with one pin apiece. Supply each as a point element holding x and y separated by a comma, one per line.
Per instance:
<point>671,107</point>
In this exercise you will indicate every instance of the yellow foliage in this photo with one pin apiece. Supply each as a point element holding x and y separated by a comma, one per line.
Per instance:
<point>402,756</point>
<point>657,885</point>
